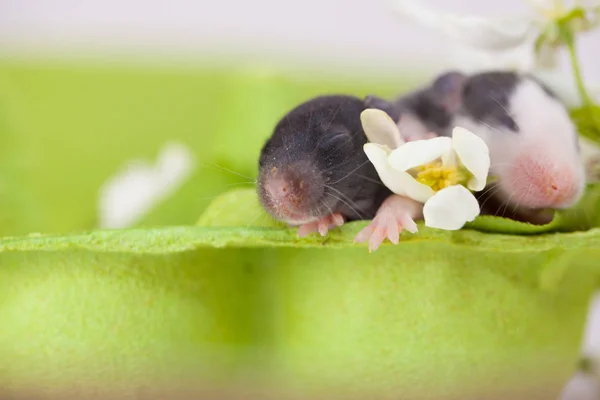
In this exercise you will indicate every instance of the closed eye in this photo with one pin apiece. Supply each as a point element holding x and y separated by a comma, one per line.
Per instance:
<point>509,122</point>
<point>336,139</point>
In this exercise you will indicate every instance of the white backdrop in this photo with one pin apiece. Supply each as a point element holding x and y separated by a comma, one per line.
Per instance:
<point>317,33</point>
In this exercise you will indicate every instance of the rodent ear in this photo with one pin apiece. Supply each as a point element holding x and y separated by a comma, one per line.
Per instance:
<point>383,105</point>
<point>447,90</point>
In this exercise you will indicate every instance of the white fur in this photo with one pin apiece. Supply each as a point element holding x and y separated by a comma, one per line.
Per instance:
<point>543,120</point>
<point>546,134</point>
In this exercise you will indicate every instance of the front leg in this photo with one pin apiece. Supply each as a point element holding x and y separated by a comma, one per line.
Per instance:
<point>395,214</point>
<point>322,226</point>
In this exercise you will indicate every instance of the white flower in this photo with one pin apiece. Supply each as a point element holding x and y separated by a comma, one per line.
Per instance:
<point>585,384</point>
<point>500,34</point>
<point>581,386</point>
<point>510,43</point>
<point>130,194</point>
<point>475,31</point>
<point>433,171</point>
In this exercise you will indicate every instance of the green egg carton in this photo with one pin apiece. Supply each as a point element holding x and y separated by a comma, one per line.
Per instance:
<point>236,300</point>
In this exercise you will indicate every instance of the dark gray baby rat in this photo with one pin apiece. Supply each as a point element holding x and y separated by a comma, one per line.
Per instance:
<point>313,172</point>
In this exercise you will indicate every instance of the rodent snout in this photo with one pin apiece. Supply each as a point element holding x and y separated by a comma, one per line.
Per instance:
<point>289,193</point>
<point>283,189</point>
<point>542,184</point>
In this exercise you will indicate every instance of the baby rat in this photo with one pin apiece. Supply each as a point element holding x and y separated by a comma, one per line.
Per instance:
<point>313,172</point>
<point>533,144</point>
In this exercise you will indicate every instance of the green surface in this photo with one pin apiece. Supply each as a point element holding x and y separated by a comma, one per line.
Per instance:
<point>442,313</point>
<point>238,296</point>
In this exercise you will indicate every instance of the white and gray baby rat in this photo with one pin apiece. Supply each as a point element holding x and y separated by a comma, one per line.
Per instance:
<point>533,144</point>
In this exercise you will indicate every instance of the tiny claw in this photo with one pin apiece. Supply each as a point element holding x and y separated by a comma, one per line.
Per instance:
<point>364,234</point>
<point>393,232</point>
<point>397,213</point>
<point>376,239</point>
<point>307,229</point>
<point>409,224</point>
<point>321,226</point>
<point>338,219</point>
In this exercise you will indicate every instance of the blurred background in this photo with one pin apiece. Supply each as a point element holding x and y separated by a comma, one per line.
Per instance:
<point>99,99</point>
<point>330,35</point>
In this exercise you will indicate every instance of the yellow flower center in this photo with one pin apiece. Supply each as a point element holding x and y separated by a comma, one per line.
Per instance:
<point>556,12</point>
<point>553,14</point>
<point>439,177</point>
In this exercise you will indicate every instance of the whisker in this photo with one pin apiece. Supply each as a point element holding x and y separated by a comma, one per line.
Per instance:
<point>344,201</point>
<point>371,180</point>
<point>506,203</point>
<point>229,170</point>
<point>488,198</point>
<point>500,104</point>
<point>521,198</point>
<point>241,183</point>
<point>488,125</point>
<point>323,203</point>
<point>255,219</point>
<point>343,194</point>
<point>341,166</point>
<point>493,186</point>
<point>350,173</point>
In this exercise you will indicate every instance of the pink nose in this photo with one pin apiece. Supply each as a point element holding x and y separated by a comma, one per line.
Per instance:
<point>286,191</point>
<point>278,188</point>
<point>544,186</point>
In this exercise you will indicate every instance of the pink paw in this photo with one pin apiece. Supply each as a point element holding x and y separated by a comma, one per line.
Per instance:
<point>322,226</point>
<point>395,214</point>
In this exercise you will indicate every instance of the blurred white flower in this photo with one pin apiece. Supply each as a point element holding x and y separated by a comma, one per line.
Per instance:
<point>581,386</point>
<point>136,189</point>
<point>503,34</point>
<point>474,31</point>
<point>585,384</point>
<point>528,43</point>
<point>432,171</point>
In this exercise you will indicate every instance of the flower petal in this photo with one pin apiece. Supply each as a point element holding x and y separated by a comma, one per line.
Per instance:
<point>493,34</point>
<point>581,386</point>
<point>450,208</point>
<point>474,155</point>
<point>399,182</point>
<point>380,128</point>
<point>419,152</point>
<point>140,186</point>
